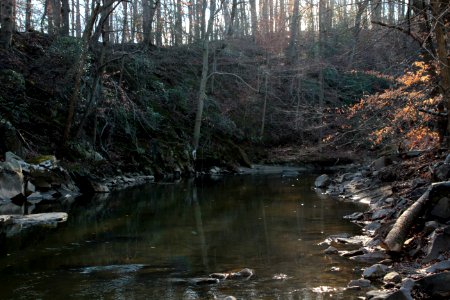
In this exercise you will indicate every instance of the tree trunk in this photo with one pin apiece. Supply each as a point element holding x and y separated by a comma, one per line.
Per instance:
<point>7,23</point>
<point>399,232</point>
<point>254,18</point>
<point>65,11</point>
<point>28,15</point>
<point>56,16</point>
<point>78,20</point>
<point>263,117</point>
<point>438,9</point>
<point>79,69</point>
<point>204,76</point>
<point>292,48</point>
<point>178,24</point>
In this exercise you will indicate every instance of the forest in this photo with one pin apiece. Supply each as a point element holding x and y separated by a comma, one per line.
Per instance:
<point>99,96</point>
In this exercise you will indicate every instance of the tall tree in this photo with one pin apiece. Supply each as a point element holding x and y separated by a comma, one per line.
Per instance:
<point>204,77</point>
<point>254,18</point>
<point>65,12</point>
<point>28,14</point>
<point>7,23</point>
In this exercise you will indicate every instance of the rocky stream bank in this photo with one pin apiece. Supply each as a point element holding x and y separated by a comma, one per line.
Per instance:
<point>405,237</point>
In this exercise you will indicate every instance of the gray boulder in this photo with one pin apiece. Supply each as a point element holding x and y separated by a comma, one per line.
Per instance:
<point>442,208</point>
<point>435,286</point>
<point>331,250</point>
<point>440,266</point>
<point>322,181</point>
<point>362,283</point>
<point>375,271</point>
<point>439,243</point>
<point>11,180</point>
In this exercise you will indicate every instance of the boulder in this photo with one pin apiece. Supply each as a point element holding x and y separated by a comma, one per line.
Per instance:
<point>18,223</point>
<point>11,180</point>
<point>203,280</point>
<point>331,250</point>
<point>352,253</point>
<point>439,243</point>
<point>441,172</point>
<point>442,208</point>
<point>382,213</point>
<point>322,181</point>
<point>375,271</point>
<point>9,139</point>
<point>354,216</point>
<point>386,295</point>
<point>440,266</point>
<point>380,163</point>
<point>392,277</point>
<point>363,283</point>
<point>435,286</point>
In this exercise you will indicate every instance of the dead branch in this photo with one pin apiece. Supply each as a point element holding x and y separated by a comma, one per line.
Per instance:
<point>399,232</point>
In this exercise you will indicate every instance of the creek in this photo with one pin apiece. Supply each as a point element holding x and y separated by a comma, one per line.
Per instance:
<point>149,242</point>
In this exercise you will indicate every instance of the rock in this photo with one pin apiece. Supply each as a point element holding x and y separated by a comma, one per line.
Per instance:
<point>382,213</point>
<point>371,257</point>
<point>244,273</point>
<point>19,223</point>
<point>280,277</point>
<point>354,216</point>
<point>380,163</point>
<point>220,276</point>
<point>442,208</point>
<point>372,227</point>
<point>386,295</point>
<point>229,298</point>
<point>359,240</point>
<point>11,180</point>
<point>331,250</point>
<point>392,277</point>
<point>335,269</point>
<point>203,280</point>
<point>436,285</point>
<point>322,181</point>
<point>375,271</point>
<point>440,266</point>
<point>363,283</point>
<point>352,253</point>
<point>441,172</point>
<point>447,159</point>
<point>439,243</point>
<point>9,139</point>
<point>430,226</point>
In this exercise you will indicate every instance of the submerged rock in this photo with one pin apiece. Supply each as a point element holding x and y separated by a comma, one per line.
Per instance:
<point>371,257</point>
<point>203,280</point>
<point>322,181</point>
<point>362,283</point>
<point>331,250</point>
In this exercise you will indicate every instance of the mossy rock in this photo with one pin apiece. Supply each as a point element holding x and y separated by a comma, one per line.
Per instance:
<point>41,158</point>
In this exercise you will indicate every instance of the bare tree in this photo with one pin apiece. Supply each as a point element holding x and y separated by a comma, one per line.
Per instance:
<point>7,23</point>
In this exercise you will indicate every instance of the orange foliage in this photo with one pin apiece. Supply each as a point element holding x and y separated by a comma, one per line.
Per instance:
<point>393,116</point>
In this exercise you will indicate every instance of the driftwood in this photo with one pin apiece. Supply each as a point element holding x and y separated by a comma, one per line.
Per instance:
<point>399,232</point>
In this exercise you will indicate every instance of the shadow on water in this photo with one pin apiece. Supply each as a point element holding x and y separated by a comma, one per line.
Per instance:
<point>149,242</point>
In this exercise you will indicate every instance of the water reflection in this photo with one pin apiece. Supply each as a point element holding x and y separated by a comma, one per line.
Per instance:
<point>147,243</point>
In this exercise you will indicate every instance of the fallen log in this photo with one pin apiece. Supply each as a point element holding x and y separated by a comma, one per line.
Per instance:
<point>399,232</point>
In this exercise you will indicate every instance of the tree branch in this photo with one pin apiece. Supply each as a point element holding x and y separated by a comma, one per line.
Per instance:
<point>401,29</point>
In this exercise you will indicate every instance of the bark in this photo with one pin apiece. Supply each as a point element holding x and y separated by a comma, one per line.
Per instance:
<point>178,24</point>
<point>65,11</point>
<point>148,10</point>
<point>292,49</point>
<point>56,16</point>
<point>78,20</point>
<point>125,22</point>
<point>28,15</point>
<point>254,18</point>
<point>399,232</point>
<point>204,77</point>
<point>232,18</point>
<point>438,9</point>
<point>79,69</point>
<point>7,23</point>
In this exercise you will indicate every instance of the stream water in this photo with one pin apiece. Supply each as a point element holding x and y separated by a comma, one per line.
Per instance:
<point>148,242</point>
